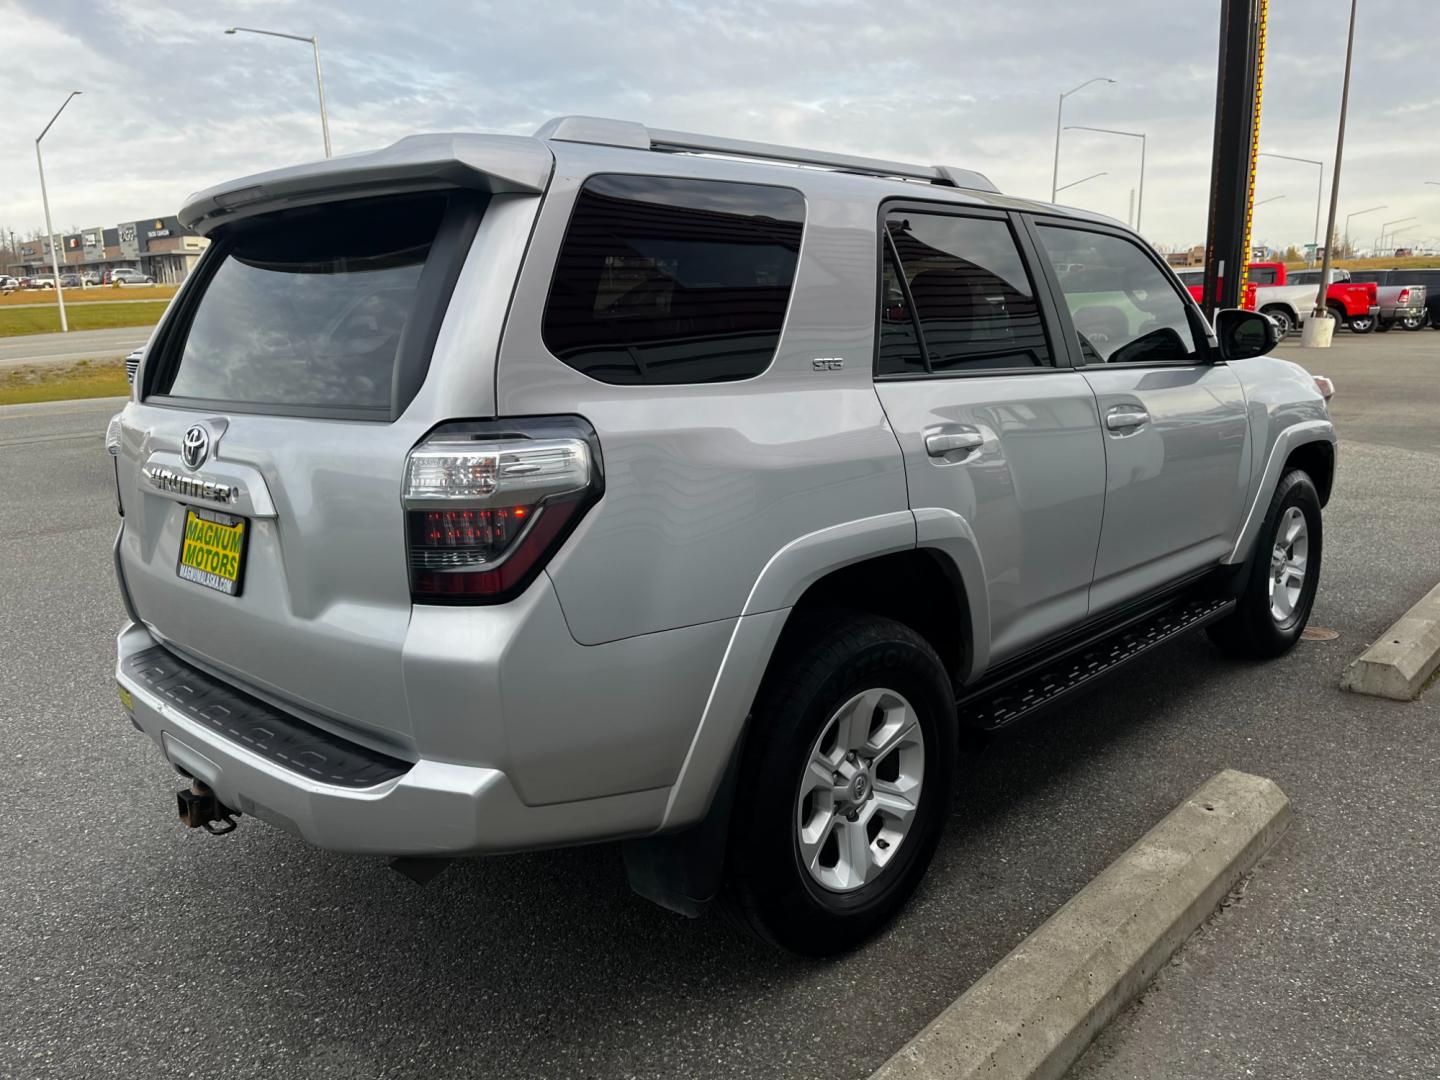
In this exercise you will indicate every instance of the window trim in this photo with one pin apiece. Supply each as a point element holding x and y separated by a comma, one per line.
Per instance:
<point>554,258</point>
<point>1060,359</point>
<point>459,223</point>
<point>1205,352</point>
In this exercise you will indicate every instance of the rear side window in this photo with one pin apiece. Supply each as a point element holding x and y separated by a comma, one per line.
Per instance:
<point>309,312</point>
<point>956,297</point>
<point>664,280</point>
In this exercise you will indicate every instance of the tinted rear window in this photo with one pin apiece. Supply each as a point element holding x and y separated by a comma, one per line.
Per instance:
<point>673,281</point>
<point>310,311</point>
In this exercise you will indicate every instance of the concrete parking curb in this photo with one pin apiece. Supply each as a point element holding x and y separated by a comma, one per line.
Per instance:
<point>1399,662</point>
<point>1037,1010</point>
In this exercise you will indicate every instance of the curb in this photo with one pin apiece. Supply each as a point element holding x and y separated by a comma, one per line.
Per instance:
<point>1034,1013</point>
<point>1397,663</point>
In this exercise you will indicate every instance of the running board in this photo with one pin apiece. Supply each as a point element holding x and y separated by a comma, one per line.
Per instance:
<point>1041,685</point>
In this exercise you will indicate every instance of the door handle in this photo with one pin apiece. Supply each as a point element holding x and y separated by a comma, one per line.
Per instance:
<point>1126,417</point>
<point>940,443</point>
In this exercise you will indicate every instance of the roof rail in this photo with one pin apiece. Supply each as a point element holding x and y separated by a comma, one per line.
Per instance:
<point>634,136</point>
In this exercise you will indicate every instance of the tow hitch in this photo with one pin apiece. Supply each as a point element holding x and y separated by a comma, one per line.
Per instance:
<point>199,809</point>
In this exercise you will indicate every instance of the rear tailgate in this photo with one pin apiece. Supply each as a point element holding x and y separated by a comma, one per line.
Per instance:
<point>261,465</point>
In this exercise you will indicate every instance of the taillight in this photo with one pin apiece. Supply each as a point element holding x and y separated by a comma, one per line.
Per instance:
<point>488,503</point>
<point>1404,297</point>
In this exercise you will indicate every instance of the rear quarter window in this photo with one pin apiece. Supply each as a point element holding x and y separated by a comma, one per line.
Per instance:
<point>665,281</point>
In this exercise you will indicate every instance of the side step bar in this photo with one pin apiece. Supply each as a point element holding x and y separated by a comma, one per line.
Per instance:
<point>1043,684</point>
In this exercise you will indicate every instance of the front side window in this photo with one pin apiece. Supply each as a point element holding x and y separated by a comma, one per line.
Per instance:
<point>962,286</point>
<point>663,280</point>
<point>1124,309</point>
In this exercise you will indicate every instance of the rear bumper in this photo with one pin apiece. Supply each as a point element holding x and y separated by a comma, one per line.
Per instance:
<point>433,808</point>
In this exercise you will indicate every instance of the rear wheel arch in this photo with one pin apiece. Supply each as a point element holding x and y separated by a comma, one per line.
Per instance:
<point>920,588</point>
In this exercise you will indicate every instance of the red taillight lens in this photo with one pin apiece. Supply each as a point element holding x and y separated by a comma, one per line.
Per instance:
<point>1404,296</point>
<point>487,506</point>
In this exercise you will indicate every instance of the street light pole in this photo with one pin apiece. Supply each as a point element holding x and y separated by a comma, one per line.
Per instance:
<point>1385,229</point>
<point>45,199</point>
<point>1059,112</point>
<point>314,43</point>
<point>1356,214</point>
<point>1319,192</point>
<point>1140,197</point>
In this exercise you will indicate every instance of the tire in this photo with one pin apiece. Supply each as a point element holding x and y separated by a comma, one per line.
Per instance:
<point>814,703</point>
<point>1283,320</point>
<point>1267,622</point>
<point>1338,314</point>
<point>1412,322</point>
<point>1362,324</point>
<point>1382,327</point>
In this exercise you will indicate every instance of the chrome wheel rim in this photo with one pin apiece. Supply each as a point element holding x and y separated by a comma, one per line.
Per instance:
<point>860,790</point>
<point>1289,560</point>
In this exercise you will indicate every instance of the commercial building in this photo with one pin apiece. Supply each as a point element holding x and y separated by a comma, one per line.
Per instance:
<point>160,247</point>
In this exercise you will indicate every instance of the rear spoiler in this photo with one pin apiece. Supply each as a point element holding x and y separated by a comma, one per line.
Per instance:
<point>494,164</point>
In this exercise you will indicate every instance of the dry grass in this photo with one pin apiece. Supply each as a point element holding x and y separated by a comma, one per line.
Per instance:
<point>1413,262</point>
<point>96,294</point>
<point>62,382</point>
<point>46,320</point>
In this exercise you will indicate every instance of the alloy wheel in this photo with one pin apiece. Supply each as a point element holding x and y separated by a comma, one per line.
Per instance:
<point>1288,564</point>
<point>860,790</point>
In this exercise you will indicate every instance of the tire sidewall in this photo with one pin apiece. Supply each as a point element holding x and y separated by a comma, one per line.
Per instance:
<point>1296,489</point>
<point>804,915</point>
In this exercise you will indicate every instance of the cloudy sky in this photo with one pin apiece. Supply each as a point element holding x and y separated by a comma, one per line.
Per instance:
<point>172,105</point>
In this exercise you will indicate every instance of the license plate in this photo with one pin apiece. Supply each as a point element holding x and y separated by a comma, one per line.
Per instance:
<point>212,550</point>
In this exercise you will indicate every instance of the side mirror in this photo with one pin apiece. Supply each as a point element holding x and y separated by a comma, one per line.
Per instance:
<point>1243,334</point>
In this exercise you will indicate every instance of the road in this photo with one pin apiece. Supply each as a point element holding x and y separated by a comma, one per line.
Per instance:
<point>47,349</point>
<point>135,949</point>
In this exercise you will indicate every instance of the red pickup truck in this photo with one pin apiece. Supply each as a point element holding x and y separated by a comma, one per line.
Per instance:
<point>1270,289</point>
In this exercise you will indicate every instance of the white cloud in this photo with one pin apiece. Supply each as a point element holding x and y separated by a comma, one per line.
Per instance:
<point>172,105</point>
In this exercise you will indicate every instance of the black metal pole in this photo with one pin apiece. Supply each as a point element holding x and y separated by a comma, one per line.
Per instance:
<point>1232,160</point>
<point>1320,293</point>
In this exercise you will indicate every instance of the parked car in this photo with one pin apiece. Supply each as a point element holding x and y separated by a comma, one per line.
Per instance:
<point>41,282</point>
<point>124,275</point>
<point>71,281</point>
<point>585,502</point>
<point>1351,304</point>
<point>1403,300</point>
<point>9,284</point>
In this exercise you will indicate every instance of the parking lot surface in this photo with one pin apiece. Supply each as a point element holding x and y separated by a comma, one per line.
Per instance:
<point>133,948</point>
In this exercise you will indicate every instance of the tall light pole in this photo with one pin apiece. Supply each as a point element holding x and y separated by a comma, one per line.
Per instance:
<point>1318,335</point>
<point>1380,243</point>
<point>49,232</point>
<point>319,78</point>
<point>1140,199</point>
<point>1319,192</point>
<point>1077,183</point>
<point>1059,112</point>
<point>1356,214</point>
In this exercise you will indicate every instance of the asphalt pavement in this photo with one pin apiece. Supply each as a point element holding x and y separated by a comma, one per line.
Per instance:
<point>43,349</point>
<point>133,948</point>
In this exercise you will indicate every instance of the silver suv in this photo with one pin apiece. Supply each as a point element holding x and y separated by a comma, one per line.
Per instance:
<point>489,493</point>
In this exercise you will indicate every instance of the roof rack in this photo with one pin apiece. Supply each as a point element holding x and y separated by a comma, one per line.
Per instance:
<point>635,136</point>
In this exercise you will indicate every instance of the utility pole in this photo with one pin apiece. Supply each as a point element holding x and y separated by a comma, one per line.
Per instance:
<point>1321,338</point>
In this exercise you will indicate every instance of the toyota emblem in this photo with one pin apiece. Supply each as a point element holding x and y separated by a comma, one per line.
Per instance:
<point>196,447</point>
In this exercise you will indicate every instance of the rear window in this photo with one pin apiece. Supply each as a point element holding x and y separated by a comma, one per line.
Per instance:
<point>664,280</point>
<point>310,311</point>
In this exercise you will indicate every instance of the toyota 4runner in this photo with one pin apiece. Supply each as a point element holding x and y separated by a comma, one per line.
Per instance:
<point>490,493</point>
